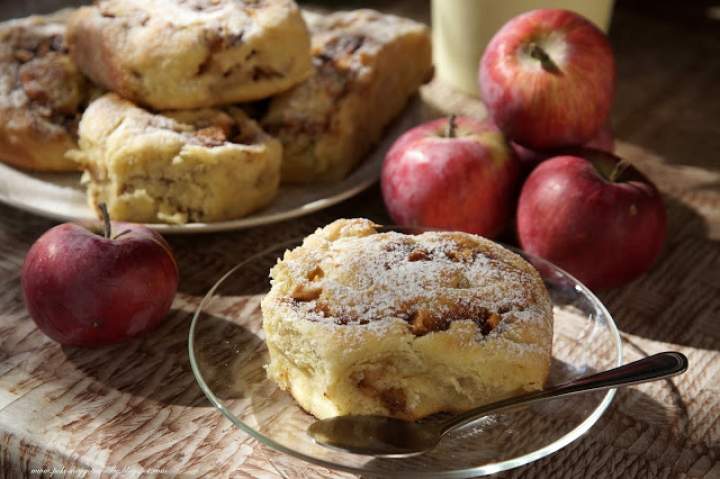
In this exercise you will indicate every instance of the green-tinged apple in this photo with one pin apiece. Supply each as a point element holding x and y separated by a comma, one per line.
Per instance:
<point>84,289</point>
<point>458,173</point>
<point>593,215</point>
<point>548,79</point>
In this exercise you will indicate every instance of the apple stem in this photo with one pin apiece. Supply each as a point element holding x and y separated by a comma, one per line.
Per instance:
<point>451,127</point>
<point>106,220</point>
<point>618,170</point>
<point>537,52</point>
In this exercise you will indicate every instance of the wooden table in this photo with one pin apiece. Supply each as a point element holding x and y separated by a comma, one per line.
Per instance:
<point>135,408</point>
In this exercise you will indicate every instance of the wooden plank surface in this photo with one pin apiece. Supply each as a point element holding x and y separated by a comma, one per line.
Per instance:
<point>135,407</point>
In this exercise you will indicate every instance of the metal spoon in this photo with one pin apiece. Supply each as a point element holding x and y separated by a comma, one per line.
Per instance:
<point>387,437</point>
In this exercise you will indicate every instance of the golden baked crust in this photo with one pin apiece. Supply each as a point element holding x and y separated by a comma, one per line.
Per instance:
<point>367,66</point>
<point>184,166</point>
<point>176,54</point>
<point>42,94</point>
<point>361,322</point>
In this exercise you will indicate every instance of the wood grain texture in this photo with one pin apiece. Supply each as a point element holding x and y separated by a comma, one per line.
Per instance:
<point>135,408</point>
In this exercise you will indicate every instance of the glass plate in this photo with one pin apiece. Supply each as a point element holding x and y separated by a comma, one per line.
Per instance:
<point>228,352</point>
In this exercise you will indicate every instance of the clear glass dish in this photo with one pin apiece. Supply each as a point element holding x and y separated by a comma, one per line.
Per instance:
<point>227,355</point>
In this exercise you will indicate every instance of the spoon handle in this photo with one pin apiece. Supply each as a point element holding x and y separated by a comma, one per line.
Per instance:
<point>651,368</point>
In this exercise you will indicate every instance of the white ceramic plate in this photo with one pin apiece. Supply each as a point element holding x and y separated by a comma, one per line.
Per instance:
<point>62,198</point>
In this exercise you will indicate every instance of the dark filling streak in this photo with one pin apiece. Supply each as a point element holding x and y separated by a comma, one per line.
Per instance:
<point>201,5</point>
<point>342,46</point>
<point>333,77</point>
<point>204,66</point>
<point>236,39</point>
<point>29,48</point>
<point>260,73</point>
<point>394,400</point>
<point>421,321</point>
<point>217,42</point>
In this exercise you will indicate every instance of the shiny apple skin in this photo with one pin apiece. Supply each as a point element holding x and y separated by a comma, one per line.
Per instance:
<point>466,183</point>
<point>545,109</point>
<point>529,159</point>
<point>82,289</point>
<point>604,141</point>
<point>604,233</point>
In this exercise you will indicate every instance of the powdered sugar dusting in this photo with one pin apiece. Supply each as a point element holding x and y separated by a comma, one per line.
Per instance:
<point>349,273</point>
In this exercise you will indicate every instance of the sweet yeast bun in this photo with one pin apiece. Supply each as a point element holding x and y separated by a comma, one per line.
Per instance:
<point>363,322</point>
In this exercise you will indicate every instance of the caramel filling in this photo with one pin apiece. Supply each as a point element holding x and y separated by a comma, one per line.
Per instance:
<point>392,398</point>
<point>411,299</point>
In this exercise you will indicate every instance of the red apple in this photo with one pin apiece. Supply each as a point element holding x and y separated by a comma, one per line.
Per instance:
<point>529,159</point>
<point>460,177</point>
<point>604,140</point>
<point>594,216</point>
<point>83,289</point>
<point>547,78</point>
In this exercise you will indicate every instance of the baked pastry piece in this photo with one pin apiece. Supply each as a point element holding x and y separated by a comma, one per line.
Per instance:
<point>173,54</point>
<point>361,322</point>
<point>42,94</point>
<point>367,66</point>
<point>185,166</point>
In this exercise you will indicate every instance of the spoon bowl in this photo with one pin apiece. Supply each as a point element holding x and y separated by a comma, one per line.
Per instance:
<point>376,435</point>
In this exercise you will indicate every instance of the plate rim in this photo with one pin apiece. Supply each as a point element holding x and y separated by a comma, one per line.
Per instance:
<point>220,226</point>
<point>573,435</point>
<point>230,225</point>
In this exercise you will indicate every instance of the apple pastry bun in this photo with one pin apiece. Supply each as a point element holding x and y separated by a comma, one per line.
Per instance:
<point>365,322</point>
<point>177,167</point>
<point>42,94</point>
<point>173,54</point>
<point>367,66</point>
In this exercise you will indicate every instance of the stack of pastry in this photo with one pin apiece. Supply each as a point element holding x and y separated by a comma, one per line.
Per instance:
<point>171,141</point>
